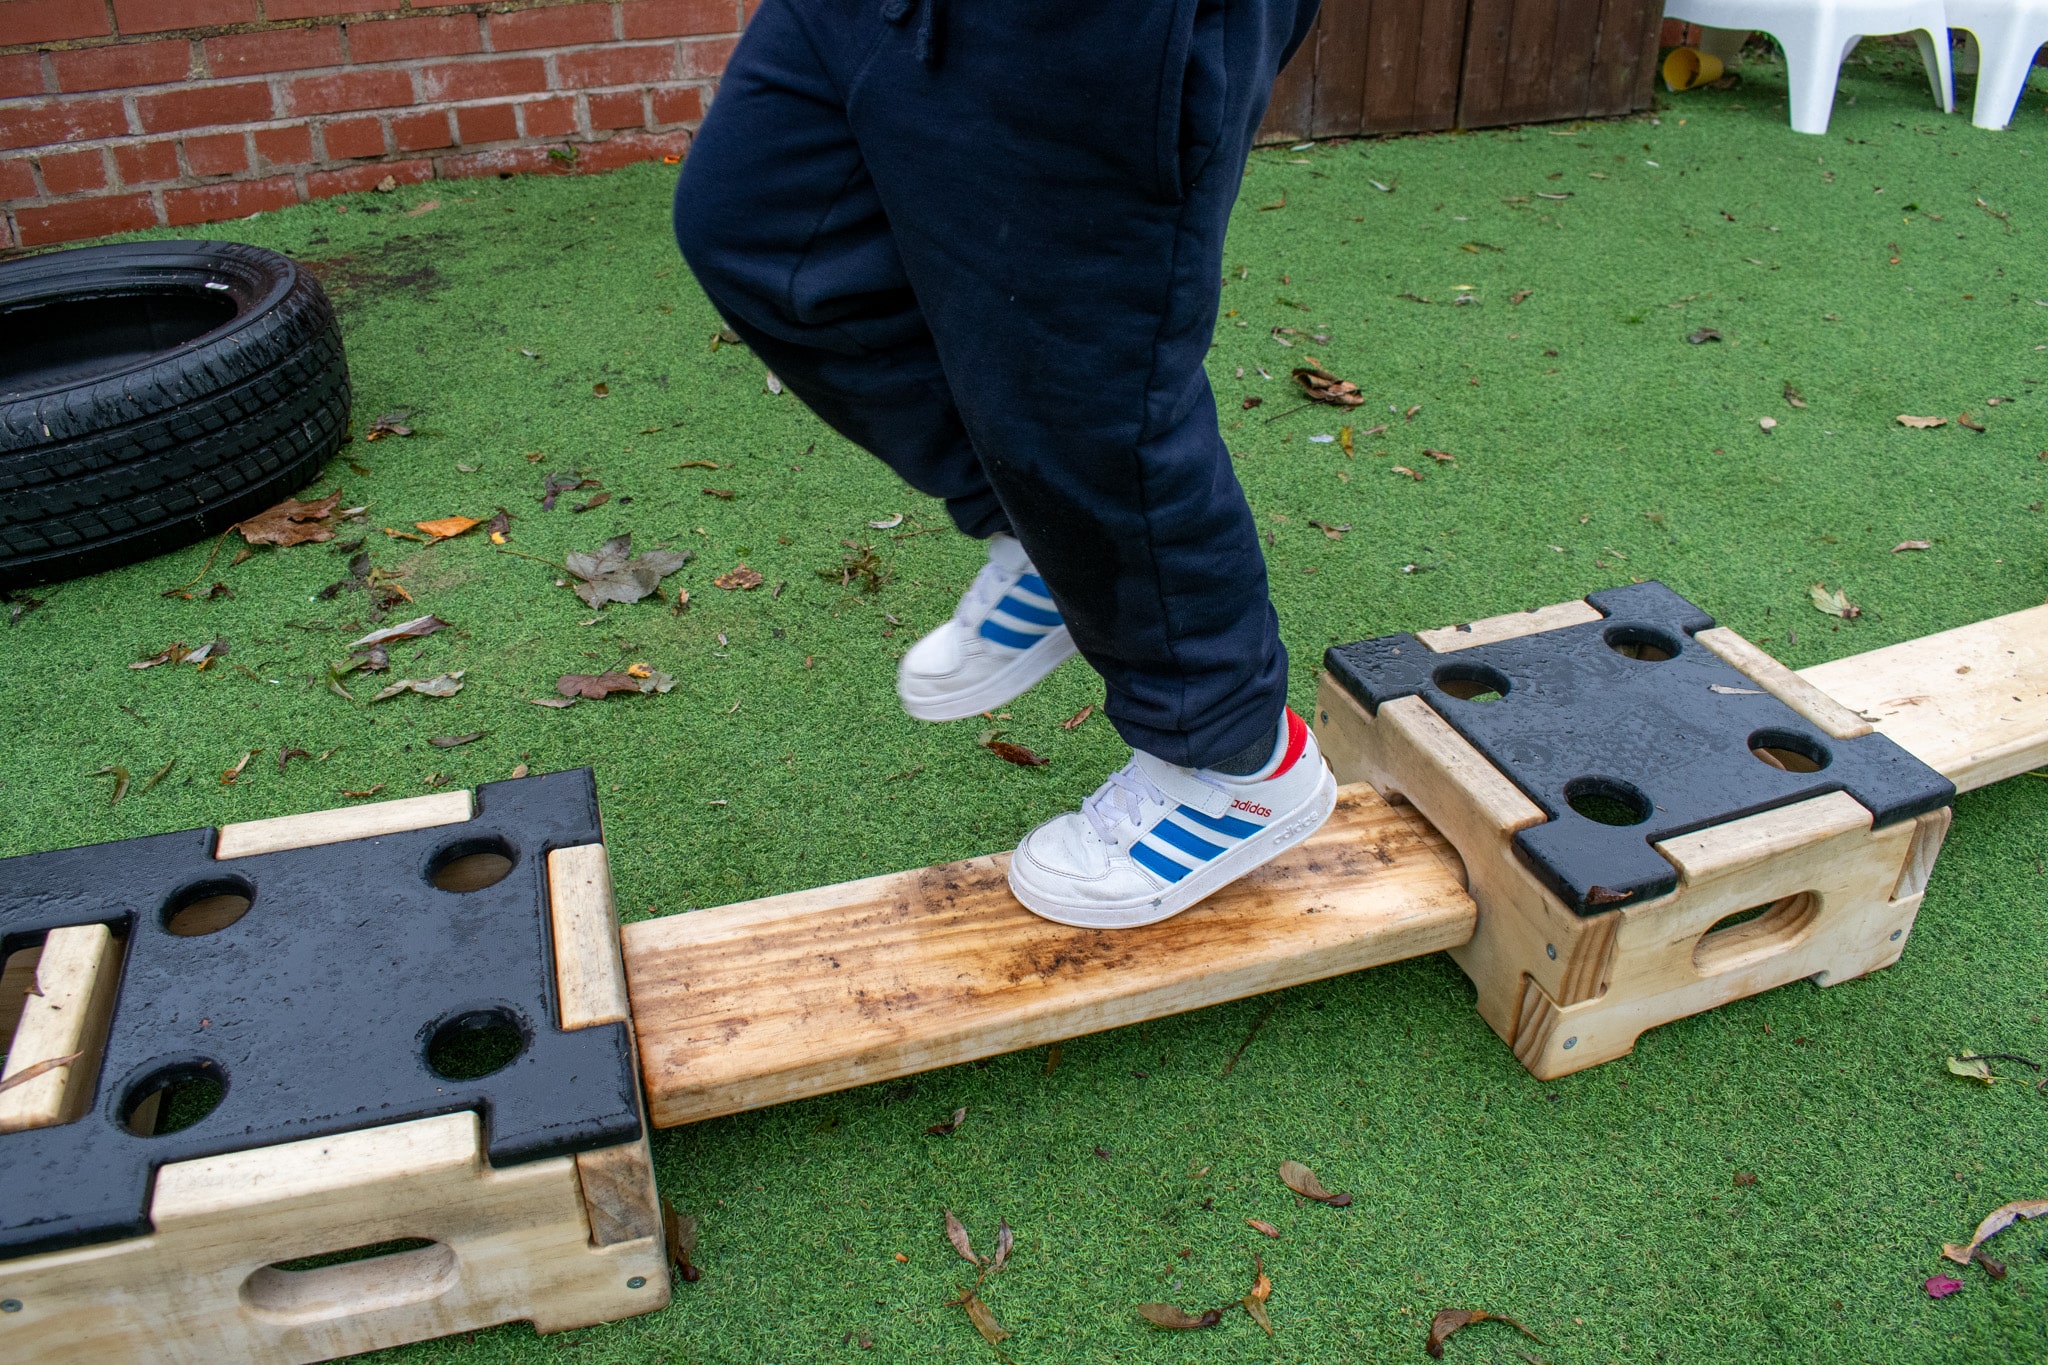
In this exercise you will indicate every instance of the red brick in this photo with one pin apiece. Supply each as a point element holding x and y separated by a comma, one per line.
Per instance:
<point>204,106</point>
<point>84,218</point>
<point>482,80</point>
<point>678,104</point>
<point>555,26</point>
<point>549,118</point>
<point>706,57</point>
<point>122,65</point>
<point>486,123</point>
<point>319,9</point>
<point>49,21</point>
<point>20,74</point>
<point>54,121</point>
<point>73,172</point>
<point>627,148</point>
<point>344,90</point>
<point>352,179</point>
<point>646,65</point>
<point>679,18</point>
<point>159,16</point>
<point>291,146</point>
<point>617,109</point>
<point>283,49</point>
<point>398,40</point>
<point>217,154</point>
<point>17,180</point>
<point>229,199</point>
<point>141,163</point>
<point>421,132</point>
<point>347,138</point>
<point>506,161</point>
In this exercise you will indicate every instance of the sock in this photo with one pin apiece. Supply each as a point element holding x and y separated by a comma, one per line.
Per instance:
<point>1258,755</point>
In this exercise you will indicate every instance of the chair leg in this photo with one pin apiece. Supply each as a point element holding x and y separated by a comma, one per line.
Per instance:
<point>1935,57</point>
<point>2002,75</point>
<point>1813,61</point>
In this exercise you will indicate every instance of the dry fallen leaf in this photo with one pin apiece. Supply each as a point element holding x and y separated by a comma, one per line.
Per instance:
<point>678,1230</point>
<point>1440,456</point>
<point>390,424</point>
<point>722,494</point>
<point>1728,691</point>
<point>1912,545</point>
<point>1965,420</point>
<point>601,390</point>
<point>741,579</point>
<point>500,529</point>
<point>422,625</point>
<point>1174,1320</point>
<point>950,1126</point>
<point>1700,336</point>
<point>1255,1298</point>
<point>1011,753</point>
<point>443,685</point>
<point>598,686</point>
<point>1260,1225</point>
<point>367,791</point>
<point>1921,423</point>
<point>291,522</point>
<point>1303,1182</point>
<point>1744,1179</point>
<point>1794,397</point>
<point>984,1321</point>
<point>1005,1239</point>
<point>445,527</point>
<point>455,741</point>
<point>956,1233</point>
<point>1404,469</point>
<point>1767,423</point>
<point>1941,1286</point>
<point>1072,722</point>
<point>1451,1320</point>
<point>1995,1222</point>
<point>613,573</point>
<point>888,523</point>
<point>1320,386</point>
<point>227,779</point>
<point>1973,1068</point>
<point>120,776</point>
<point>1834,603</point>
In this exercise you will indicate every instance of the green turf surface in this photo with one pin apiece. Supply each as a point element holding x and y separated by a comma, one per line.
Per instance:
<point>1599,1209</point>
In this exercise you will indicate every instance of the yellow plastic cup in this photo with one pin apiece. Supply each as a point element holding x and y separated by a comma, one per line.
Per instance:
<point>1688,68</point>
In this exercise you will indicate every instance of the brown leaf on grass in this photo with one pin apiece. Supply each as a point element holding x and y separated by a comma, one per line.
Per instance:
<point>441,685</point>
<point>1744,1179</point>
<point>1440,456</point>
<point>390,424</point>
<point>1920,423</point>
<point>696,464</point>
<point>601,390</point>
<point>227,779</point>
<point>1965,420</point>
<point>740,579</point>
<point>1902,545</point>
<point>597,500</point>
<point>1005,1239</point>
<point>1072,722</point>
<point>457,741</point>
<point>173,653</point>
<point>1320,386</point>
<point>1251,402</point>
<point>1255,1298</point>
<point>598,686</point>
<point>1261,1225</point>
<point>367,791</point>
<point>557,484</point>
<point>1794,396</point>
<point>1451,1320</point>
<point>956,1233</point>
<point>613,573</point>
<point>286,755</point>
<point>860,564</point>
<point>1174,1320</point>
<point>1404,469</point>
<point>1521,294</point>
<point>1279,203</point>
<point>1995,1222</point>
<point>1834,603</point>
<point>120,776</point>
<point>418,626</point>
<point>500,529</point>
<point>950,1126</point>
<point>992,1332</point>
<point>291,522</point>
<point>557,703</point>
<point>1700,336</point>
<point>1303,1182</point>
<point>1370,432</point>
<point>1332,532</point>
<point>445,527</point>
<point>679,1233</point>
<point>1011,753</point>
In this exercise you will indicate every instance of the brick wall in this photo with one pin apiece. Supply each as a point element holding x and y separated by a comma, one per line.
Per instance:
<point>122,114</point>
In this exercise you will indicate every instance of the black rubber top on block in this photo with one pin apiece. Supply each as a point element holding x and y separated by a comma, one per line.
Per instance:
<point>1668,742</point>
<point>315,1009</point>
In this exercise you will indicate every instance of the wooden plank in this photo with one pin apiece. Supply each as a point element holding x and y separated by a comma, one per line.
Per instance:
<point>1482,91</point>
<point>1834,719</point>
<point>339,826</point>
<point>800,995</point>
<point>1514,625</point>
<point>203,1288</point>
<point>1972,703</point>
<point>590,981</point>
<point>1440,62</point>
<point>1290,110</point>
<point>1575,46</point>
<point>1338,109</point>
<point>1532,57</point>
<point>65,1017</point>
<point>619,1198</point>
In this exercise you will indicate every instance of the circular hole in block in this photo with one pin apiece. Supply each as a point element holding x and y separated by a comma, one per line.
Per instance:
<point>1471,682</point>
<point>1641,642</point>
<point>1761,930</point>
<point>173,1097</point>
<point>474,1044</point>
<point>208,907</point>
<point>471,865</point>
<point>1607,800</point>
<point>1789,751</point>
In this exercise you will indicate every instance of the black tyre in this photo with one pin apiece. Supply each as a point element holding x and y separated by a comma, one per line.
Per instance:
<point>155,393</point>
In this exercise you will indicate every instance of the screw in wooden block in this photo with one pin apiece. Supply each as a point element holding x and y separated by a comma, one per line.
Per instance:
<point>1571,1042</point>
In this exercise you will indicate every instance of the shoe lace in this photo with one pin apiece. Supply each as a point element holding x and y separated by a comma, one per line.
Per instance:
<point>1121,799</point>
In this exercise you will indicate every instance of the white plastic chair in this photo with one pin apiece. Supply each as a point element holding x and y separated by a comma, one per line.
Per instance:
<point>1818,35</point>
<point>2007,33</point>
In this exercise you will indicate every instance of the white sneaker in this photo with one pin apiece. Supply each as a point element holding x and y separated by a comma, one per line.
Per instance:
<point>1157,838</point>
<point>1005,635</point>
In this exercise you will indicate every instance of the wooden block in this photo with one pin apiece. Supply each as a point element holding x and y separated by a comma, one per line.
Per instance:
<point>53,1058</point>
<point>816,991</point>
<point>588,974</point>
<point>340,826</point>
<point>1514,625</point>
<point>1971,703</point>
<point>1831,716</point>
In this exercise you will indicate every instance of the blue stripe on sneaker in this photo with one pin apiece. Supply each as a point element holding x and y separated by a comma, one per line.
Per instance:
<point>1223,824</point>
<point>1024,611</point>
<point>1003,635</point>
<point>1188,842</point>
<point>1146,856</point>
<point>1035,585</point>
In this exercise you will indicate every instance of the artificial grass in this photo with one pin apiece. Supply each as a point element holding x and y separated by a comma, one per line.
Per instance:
<point>1599,1209</point>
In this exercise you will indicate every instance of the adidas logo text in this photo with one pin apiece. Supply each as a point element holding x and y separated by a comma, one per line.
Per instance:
<point>1252,809</point>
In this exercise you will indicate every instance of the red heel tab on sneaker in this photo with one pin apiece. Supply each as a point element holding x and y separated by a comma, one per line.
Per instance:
<point>1297,742</point>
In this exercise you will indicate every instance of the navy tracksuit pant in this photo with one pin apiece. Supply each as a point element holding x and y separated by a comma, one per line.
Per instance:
<point>983,239</point>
